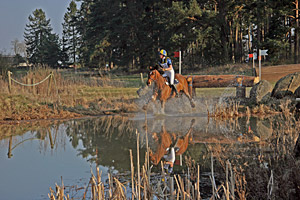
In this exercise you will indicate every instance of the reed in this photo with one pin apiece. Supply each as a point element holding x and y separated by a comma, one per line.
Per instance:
<point>162,185</point>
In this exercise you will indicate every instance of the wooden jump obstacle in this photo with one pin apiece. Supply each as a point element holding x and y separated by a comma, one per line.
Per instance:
<point>240,82</point>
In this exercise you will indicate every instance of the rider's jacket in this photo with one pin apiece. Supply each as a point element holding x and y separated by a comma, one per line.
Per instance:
<point>166,62</point>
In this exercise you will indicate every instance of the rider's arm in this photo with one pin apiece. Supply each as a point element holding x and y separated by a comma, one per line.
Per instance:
<point>170,66</point>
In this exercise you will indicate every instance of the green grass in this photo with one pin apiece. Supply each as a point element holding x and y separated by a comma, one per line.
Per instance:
<point>131,80</point>
<point>218,92</point>
<point>94,92</point>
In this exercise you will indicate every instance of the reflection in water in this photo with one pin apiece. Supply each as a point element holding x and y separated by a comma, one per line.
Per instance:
<point>169,145</point>
<point>41,132</point>
<point>106,141</point>
<point>39,135</point>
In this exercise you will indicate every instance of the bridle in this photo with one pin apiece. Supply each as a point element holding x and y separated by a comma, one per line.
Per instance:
<point>151,77</point>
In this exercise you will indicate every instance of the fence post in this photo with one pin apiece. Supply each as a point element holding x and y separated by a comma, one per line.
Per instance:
<point>142,79</point>
<point>33,86</point>
<point>49,84</point>
<point>9,81</point>
<point>28,82</point>
<point>240,91</point>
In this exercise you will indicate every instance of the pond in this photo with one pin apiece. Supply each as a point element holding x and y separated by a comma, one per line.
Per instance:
<point>36,155</point>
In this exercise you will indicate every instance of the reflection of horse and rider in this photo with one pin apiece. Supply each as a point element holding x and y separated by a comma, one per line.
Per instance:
<point>170,145</point>
<point>165,89</point>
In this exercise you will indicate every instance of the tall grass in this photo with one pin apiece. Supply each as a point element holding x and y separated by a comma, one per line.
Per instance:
<point>84,91</point>
<point>269,169</point>
<point>252,170</point>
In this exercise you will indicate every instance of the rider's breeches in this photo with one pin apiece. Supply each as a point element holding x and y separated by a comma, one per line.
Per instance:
<point>171,75</point>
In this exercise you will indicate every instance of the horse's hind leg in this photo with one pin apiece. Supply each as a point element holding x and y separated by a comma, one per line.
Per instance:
<point>186,92</point>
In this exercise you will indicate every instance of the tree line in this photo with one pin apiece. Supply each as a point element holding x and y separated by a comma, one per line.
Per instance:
<point>129,33</point>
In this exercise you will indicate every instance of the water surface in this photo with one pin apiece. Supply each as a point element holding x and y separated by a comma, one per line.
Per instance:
<point>35,156</point>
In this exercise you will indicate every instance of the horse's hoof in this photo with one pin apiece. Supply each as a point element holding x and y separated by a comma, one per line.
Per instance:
<point>193,105</point>
<point>144,107</point>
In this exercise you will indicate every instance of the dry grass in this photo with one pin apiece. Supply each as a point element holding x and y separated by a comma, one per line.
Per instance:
<point>81,94</point>
<point>252,170</point>
<point>271,172</point>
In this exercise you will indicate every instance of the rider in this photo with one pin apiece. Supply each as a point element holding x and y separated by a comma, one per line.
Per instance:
<point>167,67</point>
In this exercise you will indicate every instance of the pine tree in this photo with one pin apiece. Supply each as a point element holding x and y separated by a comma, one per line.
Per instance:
<point>70,34</point>
<point>42,45</point>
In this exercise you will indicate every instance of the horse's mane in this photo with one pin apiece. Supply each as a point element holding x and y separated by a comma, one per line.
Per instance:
<point>156,67</point>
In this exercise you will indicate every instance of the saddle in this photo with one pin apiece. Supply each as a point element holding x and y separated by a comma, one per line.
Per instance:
<point>167,81</point>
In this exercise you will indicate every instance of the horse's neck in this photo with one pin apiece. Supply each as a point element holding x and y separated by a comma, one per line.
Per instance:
<point>160,81</point>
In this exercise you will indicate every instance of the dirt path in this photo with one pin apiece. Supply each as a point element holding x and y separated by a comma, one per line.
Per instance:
<point>274,73</point>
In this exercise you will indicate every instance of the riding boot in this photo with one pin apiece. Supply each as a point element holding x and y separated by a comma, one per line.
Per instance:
<point>175,90</point>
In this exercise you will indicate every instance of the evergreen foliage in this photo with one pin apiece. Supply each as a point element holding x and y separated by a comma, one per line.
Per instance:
<point>129,33</point>
<point>42,45</point>
<point>70,35</point>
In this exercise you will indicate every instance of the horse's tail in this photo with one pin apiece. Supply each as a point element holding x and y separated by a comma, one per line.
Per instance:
<point>190,80</point>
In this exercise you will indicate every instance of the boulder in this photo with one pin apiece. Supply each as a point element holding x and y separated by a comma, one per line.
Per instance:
<point>286,86</point>
<point>297,93</point>
<point>260,91</point>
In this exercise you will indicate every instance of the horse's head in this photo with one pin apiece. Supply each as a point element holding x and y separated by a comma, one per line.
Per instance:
<point>152,76</point>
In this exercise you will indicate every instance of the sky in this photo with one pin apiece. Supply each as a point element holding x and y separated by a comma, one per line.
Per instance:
<point>14,16</point>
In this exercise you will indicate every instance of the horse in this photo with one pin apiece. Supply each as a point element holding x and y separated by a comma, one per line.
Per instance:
<point>164,91</point>
<point>168,140</point>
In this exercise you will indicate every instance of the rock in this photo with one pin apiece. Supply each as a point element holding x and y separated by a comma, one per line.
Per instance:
<point>297,93</point>
<point>264,130</point>
<point>286,86</point>
<point>260,91</point>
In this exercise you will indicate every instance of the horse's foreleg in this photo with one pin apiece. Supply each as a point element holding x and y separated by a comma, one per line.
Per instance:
<point>153,98</point>
<point>163,102</point>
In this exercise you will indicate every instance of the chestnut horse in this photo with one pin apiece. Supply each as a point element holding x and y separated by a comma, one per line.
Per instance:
<point>167,140</point>
<point>164,91</point>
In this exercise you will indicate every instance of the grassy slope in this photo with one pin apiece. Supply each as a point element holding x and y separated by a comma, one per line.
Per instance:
<point>117,96</point>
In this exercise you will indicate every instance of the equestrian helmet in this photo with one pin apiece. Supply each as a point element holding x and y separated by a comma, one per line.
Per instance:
<point>163,52</point>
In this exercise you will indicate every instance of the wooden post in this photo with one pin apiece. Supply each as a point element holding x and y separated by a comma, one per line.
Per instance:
<point>9,154</point>
<point>9,81</point>
<point>194,92</point>
<point>179,62</point>
<point>50,138</point>
<point>142,79</point>
<point>28,82</point>
<point>241,91</point>
<point>259,64</point>
<point>49,84</point>
<point>33,86</point>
